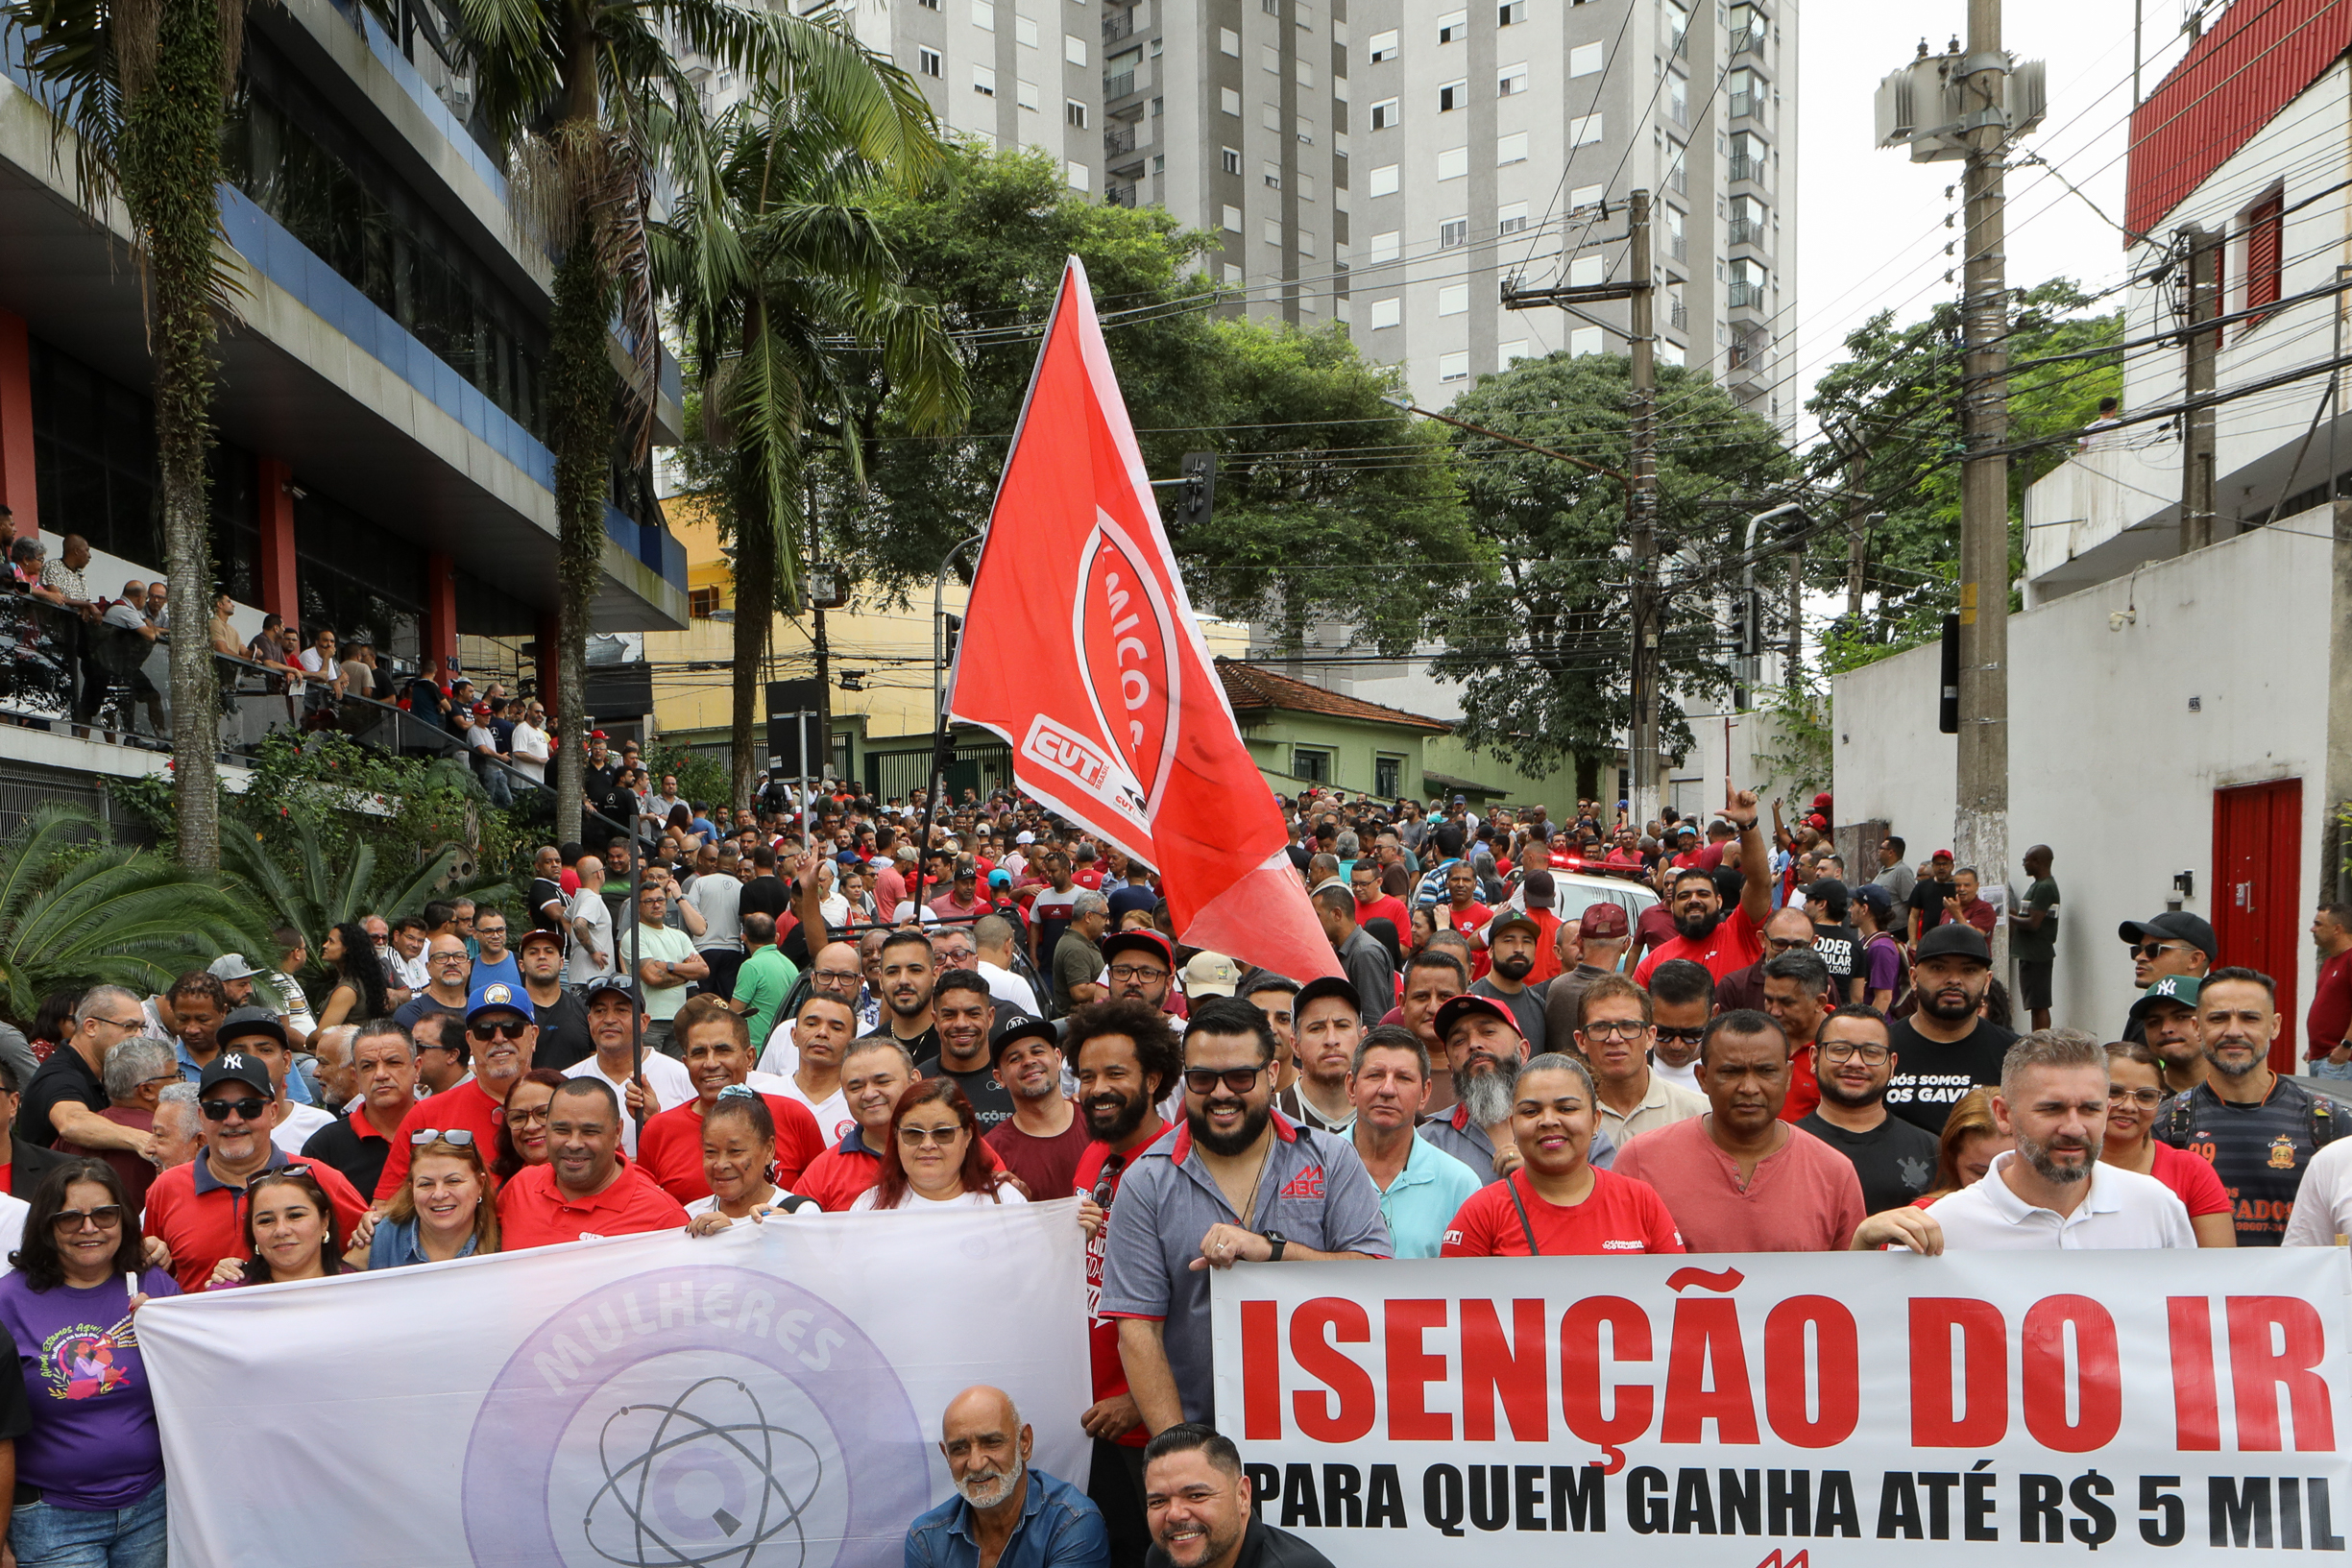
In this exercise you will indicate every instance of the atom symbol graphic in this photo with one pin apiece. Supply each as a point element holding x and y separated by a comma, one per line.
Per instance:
<point>656,1508</point>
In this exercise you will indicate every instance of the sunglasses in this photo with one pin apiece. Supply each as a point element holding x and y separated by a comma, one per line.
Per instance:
<point>105,1217</point>
<point>1203,1080</point>
<point>498,1028</point>
<point>462,1137</point>
<point>2155,950</point>
<point>220,1110</point>
<point>1687,1037</point>
<point>918,1137</point>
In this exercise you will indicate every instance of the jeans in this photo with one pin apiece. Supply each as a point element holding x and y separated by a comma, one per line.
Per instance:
<point>45,1535</point>
<point>2325,1068</point>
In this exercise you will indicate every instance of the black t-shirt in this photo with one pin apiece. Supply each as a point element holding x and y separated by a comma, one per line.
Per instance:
<point>563,1033</point>
<point>1931,1076</point>
<point>546,890</point>
<point>2259,1151</point>
<point>923,1047</point>
<point>1895,1159</point>
<point>63,1078</point>
<point>768,894</point>
<point>1526,1005</point>
<point>1840,948</point>
<point>1928,899</point>
<point>991,1099</point>
<point>361,1160</point>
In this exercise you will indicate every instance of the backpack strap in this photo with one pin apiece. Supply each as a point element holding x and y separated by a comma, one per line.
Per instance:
<point>2325,1124</point>
<point>1511,1184</point>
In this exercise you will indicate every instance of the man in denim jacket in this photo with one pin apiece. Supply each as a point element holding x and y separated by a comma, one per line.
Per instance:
<point>1003,1513</point>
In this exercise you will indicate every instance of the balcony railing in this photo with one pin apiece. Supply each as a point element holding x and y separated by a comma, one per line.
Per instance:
<point>1743,104</point>
<point>1118,138</point>
<point>1117,25</point>
<point>1743,296</point>
<point>1119,196</point>
<point>1678,316</point>
<point>1118,87</point>
<point>1747,167</point>
<point>1678,246</point>
<point>1746,232</point>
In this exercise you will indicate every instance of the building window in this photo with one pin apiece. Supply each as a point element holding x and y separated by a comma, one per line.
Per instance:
<point>1584,340</point>
<point>1585,131</point>
<point>1453,96</point>
<point>1310,763</point>
<point>702,603</point>
<point>1384,247</point>
<point>1510,13</point>
<point>1510,353</point>
<point>2265,228</point>
<point>1025,30</point>
<point>1584,198</point>
<point>983,15</point>
<point>1388,777</point>
<point>1233,273</point>
<point>1229,101</point>
<point>1512,218</point>
<point>1511,149</point>
<point>983,80</point>
<point>928,63</point>
<point>1025,93</point>
<point>1453,231</point>
<point>1271,230</point>
<point>1074,113</point>
<point>1454,367</point>
<point>1453,299</point>
<point>1453,162</point>
<point>1074,49</point>
<point>1388,312</point>
<point>1081,177</point>
<point>1306,242</point>
<point>1511,79</point>
<point>1232,220</point>
<point>1229,43</point>
<point>1303,70</point>
<point>1383,181</point>
<point>1271,116</point>
<point>1454,27</point>
<point>1384,114</point>
<point>1232,159</point>
<point>1270,58</point>
<point>1384,46</point>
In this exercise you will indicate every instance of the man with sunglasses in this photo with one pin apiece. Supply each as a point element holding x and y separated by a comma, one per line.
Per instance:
<point>2172,942</point>
<point>384,1067</point>
<point>1236,1183</point>
<point>502,1034</point>
<point>1895,1161</point>
<point>256,1033</point>
<point>198,1209</point>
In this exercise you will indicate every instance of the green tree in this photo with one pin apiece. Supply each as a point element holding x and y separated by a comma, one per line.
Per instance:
<point>1897,394</point>
<point>596,107</point>
<point>1541,649</point>
<point>809,323</point>
<point>142,89</point>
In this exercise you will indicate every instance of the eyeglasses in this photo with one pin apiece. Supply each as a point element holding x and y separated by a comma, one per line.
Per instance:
<point>2154,950</point>
<point>1124,973</point>
<point>836,977</point>
<point>1685,1037</point>
<point>1615,1028</point>
<point>164,1078</point>
<point>1203,1080</point>
<point>2147,1100</point>
<point>462,1137</point>
<point>519,1117</point>
<point>498,1028</point>
<point>220,1110</point>
<point>450,959</point>
<point>1845,1051</point>
<point>116,1022</point>
<point>105,1217</point>
<point>918,1137</point>
<point>1786,944</point>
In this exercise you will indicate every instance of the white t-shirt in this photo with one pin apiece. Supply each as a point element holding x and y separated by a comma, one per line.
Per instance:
<point>531,751</point>
<point>831,1113</point>
<point>1009,987</point>
<point>1685,1077</point>
<point>295,1127</point>
<point>961,1201</point>
<point>582,966</point>
<point>2323,1201</point>
<point>709,1205</point>
<point>2123,1211</point>
<point>664,1076</point>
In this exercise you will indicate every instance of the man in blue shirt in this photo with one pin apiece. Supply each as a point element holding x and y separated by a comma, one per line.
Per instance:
<point>1003,1513</point>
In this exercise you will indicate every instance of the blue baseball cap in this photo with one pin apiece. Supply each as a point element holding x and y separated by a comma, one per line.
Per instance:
<point>498,997</point>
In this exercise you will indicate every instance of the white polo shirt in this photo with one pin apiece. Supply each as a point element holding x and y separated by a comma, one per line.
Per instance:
<point>2322,1214</point>
<point>2124,1211</point>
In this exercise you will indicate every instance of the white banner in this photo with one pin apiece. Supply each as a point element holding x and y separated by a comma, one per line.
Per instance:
<point>768,1397</point>
<point>1851,1409</point>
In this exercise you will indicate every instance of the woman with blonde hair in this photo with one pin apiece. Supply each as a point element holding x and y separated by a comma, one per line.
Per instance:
<point>1965,1151</point>
<point>446,1209</point>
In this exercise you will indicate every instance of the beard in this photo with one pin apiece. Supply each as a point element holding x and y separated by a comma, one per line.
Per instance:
<point>1933,1005</point>
<point>1113,1118</point>
<point>991,1492</point>
<point>2042,1157</point>
<point>1050,1084</point>
<point>1487,1094</point>
<point>1835,1094</point>
<point>1254,1120</point>
<point>2229,1068</point>
<point>1699,926</point>
<point>1516,967</point>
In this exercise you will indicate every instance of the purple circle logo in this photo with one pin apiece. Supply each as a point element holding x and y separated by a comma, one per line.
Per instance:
<point>696,1418</point>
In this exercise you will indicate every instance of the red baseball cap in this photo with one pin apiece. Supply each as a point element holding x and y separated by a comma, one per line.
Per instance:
<point>597,734</point>
<point>1604,920</point>
<point>1457,1006</point>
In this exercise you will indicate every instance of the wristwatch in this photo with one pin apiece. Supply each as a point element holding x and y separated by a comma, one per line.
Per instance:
<point>1279,1242</point>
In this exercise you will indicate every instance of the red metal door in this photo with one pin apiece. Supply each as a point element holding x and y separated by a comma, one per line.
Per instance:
<point>2258,893</point>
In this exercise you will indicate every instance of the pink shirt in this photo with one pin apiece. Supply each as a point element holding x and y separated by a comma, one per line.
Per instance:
<point>1804,1199</point>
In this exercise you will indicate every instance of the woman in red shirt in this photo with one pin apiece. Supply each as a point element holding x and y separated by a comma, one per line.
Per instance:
<point>1556,1204</point>
<point>2135,1094</point>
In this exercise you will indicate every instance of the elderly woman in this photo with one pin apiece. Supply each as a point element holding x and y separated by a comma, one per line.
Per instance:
<point>1557,1204</point>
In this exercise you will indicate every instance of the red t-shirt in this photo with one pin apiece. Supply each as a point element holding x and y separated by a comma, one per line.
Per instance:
<point>835,1177</point>
<point>1470,921</point>
<point>1804,1087</point>
<point>1389,908</point>
<point>2331,1007</point>
<point>469,1105</point>
<point>2192,1180</point>
<point>1046,1166</point>
<point>1620,1214</point>
<point>202,1227</point>
<point>670,1147</point>
<point>1732,946</point>
<point>534,1211</point>
<point>1103,1332</point>
<point>1655,927</point>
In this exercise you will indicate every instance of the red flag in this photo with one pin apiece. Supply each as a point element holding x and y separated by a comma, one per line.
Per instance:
<point>1080,648</point>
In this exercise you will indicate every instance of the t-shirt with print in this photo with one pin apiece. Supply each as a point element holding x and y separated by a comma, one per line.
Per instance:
<point>990,1099</point>
<point>2259,1151</point>
<point>1894,1161</point>
<point>94,1444</point>
<point>1840,948</point>
<point>1931,1076</point>
<point>2038,946</point>
<point>1620,1214</point>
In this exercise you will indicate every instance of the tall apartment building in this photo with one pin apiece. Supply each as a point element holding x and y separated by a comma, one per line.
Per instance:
<point>1499,141</point>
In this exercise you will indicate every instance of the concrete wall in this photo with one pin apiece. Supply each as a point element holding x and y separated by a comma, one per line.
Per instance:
<point>2109,764</point>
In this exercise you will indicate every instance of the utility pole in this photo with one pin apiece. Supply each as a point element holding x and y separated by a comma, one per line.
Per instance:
<point>2333,881</point>
<point>1858,529</point>
<point>2198,524</point>
<point>1645,603</point>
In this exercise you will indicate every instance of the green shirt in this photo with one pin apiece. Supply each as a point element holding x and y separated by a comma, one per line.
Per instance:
<point>767,977</point>
<point>2038,947</point>
<point>662,1002</point>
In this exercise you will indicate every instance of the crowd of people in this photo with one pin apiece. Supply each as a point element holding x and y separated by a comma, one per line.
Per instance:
<point>834,1004</point>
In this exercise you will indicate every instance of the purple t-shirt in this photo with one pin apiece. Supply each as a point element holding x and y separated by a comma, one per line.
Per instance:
<point>93,1445</point>
<point>1886,964</point>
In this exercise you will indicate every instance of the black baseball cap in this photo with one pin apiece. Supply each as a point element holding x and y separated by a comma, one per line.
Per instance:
<point>1018,1026</point>
<point>244,1023</point>
<point>1325,985</point>
<point>236,1066</point>
<point>1955,939</point>
<point>2173,926</point>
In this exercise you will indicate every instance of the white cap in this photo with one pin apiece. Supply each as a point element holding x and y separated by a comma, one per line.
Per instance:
<point>906,911</point>
<point>1024,838</point>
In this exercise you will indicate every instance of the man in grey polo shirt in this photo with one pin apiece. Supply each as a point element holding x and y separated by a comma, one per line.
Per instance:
<point>1231,1183</point>
<point>1484,1049</point>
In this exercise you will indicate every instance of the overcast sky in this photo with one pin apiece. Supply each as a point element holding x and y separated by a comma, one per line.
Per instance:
<point>1870,222</point>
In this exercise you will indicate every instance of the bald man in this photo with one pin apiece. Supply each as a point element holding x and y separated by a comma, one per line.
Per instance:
<point>1003,1510</point>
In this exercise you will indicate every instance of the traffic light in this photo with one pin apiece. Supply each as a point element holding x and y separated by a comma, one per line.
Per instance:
<point>1199,491</point>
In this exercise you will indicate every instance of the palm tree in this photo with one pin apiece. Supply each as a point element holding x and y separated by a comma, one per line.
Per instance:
<point>799,318</point>
<point>77,910</point>
<point>317,894</point>
<point>143,85</point>
<point>598,107</point>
